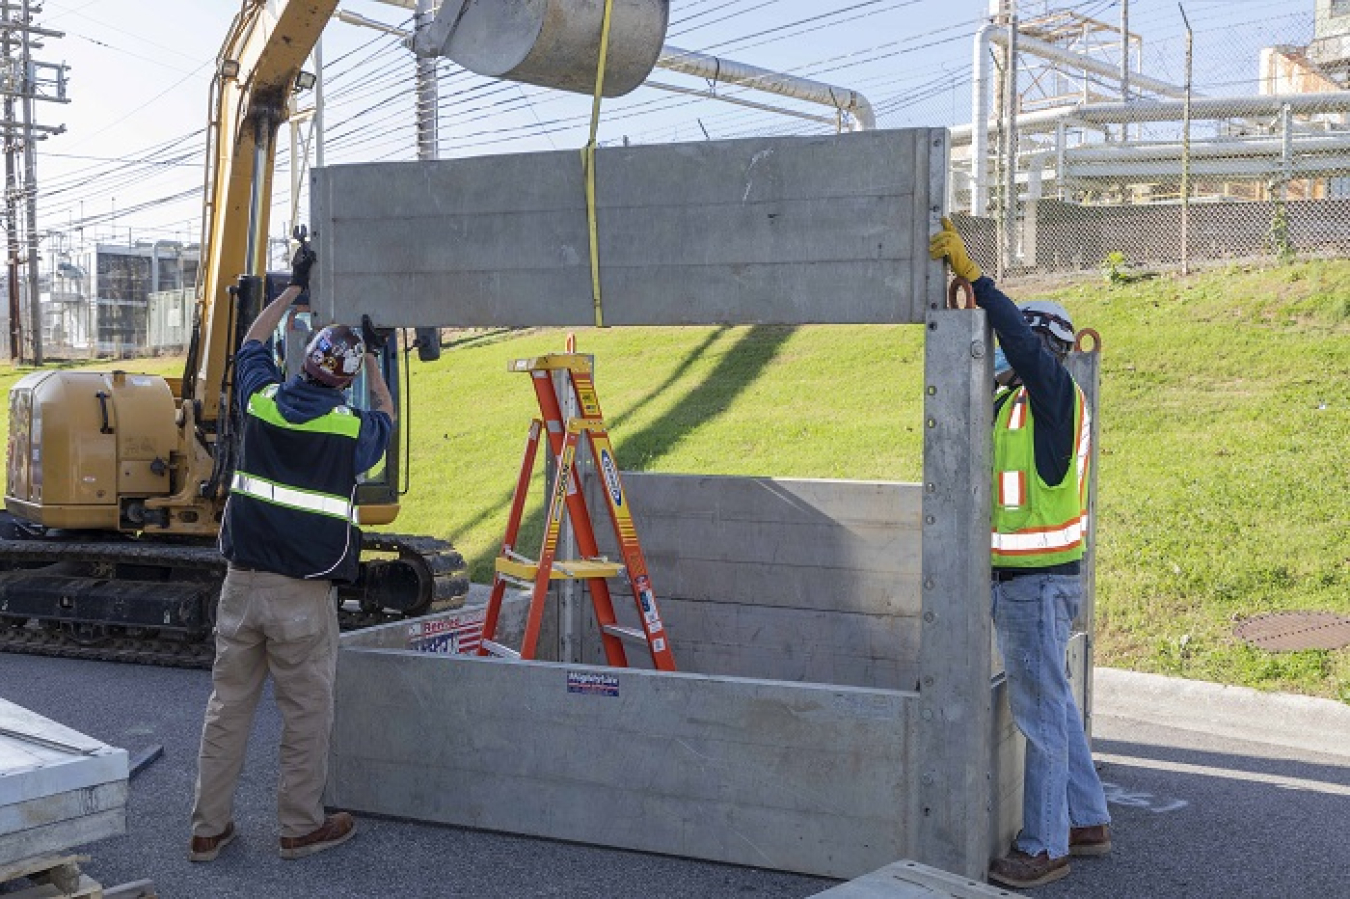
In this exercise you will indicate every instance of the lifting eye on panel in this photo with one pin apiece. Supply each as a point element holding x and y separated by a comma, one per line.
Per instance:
<point>1085,335</point>
<point>955,289</point>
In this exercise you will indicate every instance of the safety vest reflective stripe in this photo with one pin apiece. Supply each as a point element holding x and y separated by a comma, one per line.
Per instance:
<point>293,498</point>
<point>1017,415</point>
<point>338,420</point>
<point>1012,489</point>
<point>1041,541</point>
<point>1084,445</point>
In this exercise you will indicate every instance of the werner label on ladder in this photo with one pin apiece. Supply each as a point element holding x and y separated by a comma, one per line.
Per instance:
<point>564,435</point>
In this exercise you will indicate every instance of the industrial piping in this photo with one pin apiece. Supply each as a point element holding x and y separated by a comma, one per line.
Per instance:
<point>1329,103</point>
<point>717,69</point>
<point>728,71</point>
<point>991,33</point>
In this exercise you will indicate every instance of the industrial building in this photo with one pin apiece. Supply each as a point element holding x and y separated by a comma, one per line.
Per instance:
<point>108,299</point>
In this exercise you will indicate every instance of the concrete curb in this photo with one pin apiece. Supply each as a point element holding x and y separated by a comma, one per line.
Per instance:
<point>1281,719</point>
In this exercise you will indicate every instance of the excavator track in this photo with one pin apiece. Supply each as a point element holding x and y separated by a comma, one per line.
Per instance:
<point>415,575</point>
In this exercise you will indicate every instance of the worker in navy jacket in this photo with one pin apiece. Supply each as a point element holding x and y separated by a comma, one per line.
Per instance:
<point>1039,509</point>
<point>290,534</point>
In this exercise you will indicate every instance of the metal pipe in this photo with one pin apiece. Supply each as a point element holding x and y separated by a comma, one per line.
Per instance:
<point>1331,102</point>
<point>1061,140</point>
<point>154,261</point>
<point>1250,158</point>
<point>1262,147</point>
<point>352,18</point>
<point>978,133</point>
<point>1286,151</point>
<point>717,69</point>
<point>709,95</point>
<point>1011,97</point>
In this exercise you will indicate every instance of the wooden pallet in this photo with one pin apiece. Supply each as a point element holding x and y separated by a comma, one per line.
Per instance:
<point>52,875</point>
<point>59,877</point>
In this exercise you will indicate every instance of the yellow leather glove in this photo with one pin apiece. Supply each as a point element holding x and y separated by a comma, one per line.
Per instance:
<point>947,243</point>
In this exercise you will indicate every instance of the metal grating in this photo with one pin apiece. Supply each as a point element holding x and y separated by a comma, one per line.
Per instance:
<point>1279,631</point>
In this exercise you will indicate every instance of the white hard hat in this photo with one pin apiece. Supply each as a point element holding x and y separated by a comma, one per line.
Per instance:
<point>334,356</point>
<point>1049,317</point>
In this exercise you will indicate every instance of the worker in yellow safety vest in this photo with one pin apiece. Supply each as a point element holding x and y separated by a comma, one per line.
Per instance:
<point>1039,497</point>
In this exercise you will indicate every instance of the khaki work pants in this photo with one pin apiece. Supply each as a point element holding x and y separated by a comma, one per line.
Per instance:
<point>268,623</point>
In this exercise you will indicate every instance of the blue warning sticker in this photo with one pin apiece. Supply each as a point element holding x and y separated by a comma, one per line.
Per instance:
<point>611,473</point>
<point>593,683</point>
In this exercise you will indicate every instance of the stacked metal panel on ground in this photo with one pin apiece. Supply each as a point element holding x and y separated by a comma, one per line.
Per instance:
<point>58,788</point>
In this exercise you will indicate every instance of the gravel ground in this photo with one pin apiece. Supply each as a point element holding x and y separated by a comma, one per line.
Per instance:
<point>1251,802</point>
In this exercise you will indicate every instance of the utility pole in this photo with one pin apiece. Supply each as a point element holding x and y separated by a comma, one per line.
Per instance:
<point>11,193</point>
<point>25,80</point>
<point>428,96</point>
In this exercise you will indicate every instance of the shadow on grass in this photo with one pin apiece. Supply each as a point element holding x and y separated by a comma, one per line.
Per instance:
<point>637,451</point>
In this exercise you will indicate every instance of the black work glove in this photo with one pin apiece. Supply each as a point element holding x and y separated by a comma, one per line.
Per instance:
<point>374,340</point>
<point>303,260</point>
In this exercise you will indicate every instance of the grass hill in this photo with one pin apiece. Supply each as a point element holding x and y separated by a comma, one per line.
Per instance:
<point>1224,485</point>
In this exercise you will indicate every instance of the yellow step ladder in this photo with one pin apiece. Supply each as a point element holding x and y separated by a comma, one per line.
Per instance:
<point>511,566</point>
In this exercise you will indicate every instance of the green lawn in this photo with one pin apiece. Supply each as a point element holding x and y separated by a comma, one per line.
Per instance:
<point>1224,485</point>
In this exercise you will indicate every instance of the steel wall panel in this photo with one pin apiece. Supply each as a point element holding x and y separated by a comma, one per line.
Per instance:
<point>785,230</point>
<point>795,777</point>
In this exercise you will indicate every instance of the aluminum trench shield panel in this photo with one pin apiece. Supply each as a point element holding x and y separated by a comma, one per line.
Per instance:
<point>789,230</point>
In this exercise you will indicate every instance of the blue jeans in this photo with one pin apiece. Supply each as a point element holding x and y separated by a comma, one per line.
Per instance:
<point>1032,617</point>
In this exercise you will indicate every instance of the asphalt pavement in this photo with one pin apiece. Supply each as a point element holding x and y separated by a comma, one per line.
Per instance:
<point>1215,791</point>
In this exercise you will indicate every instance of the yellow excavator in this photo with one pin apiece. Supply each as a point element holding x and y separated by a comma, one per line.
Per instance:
<point>116,481</point>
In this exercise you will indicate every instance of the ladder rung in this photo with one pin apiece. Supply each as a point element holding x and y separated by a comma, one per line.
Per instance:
<point>552,362</point>
<point>497,649</point>
<point>625,633</point>
<point>563,569</point>
<point>518,582</point>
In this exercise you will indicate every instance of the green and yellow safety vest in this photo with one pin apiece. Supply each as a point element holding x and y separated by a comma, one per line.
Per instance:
<point>1036,525</point>
<point>291,508</point>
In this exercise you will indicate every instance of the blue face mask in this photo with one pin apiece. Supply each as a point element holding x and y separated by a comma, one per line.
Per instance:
<point>1001,365</point>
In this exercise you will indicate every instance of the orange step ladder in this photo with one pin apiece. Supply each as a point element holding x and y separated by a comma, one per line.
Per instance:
<point>511,567</point>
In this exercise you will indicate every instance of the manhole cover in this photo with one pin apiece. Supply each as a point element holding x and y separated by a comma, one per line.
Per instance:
<point>1296,630</point>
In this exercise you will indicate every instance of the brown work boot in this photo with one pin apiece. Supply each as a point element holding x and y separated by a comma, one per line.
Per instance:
<point>337,829</point>
<point>1017,869</point>
<point>1095,840</point>
<point>205,849</point>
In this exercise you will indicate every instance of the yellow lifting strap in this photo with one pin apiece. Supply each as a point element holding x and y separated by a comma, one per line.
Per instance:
<point>588,165</point>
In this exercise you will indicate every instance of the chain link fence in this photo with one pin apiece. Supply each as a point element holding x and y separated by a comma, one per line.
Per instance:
<point>1170,178</point>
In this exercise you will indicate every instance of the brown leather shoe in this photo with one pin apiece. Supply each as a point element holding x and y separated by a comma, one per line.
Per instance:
<point>337,829</point>
<point>1017,869</point>
<point>1095,840</point>
<point>205,849</point>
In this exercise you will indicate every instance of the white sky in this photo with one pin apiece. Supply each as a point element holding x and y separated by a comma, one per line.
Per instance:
<point>140,71</point>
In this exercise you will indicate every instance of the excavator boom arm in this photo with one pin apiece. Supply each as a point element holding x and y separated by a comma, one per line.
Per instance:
<point>255,75</point>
